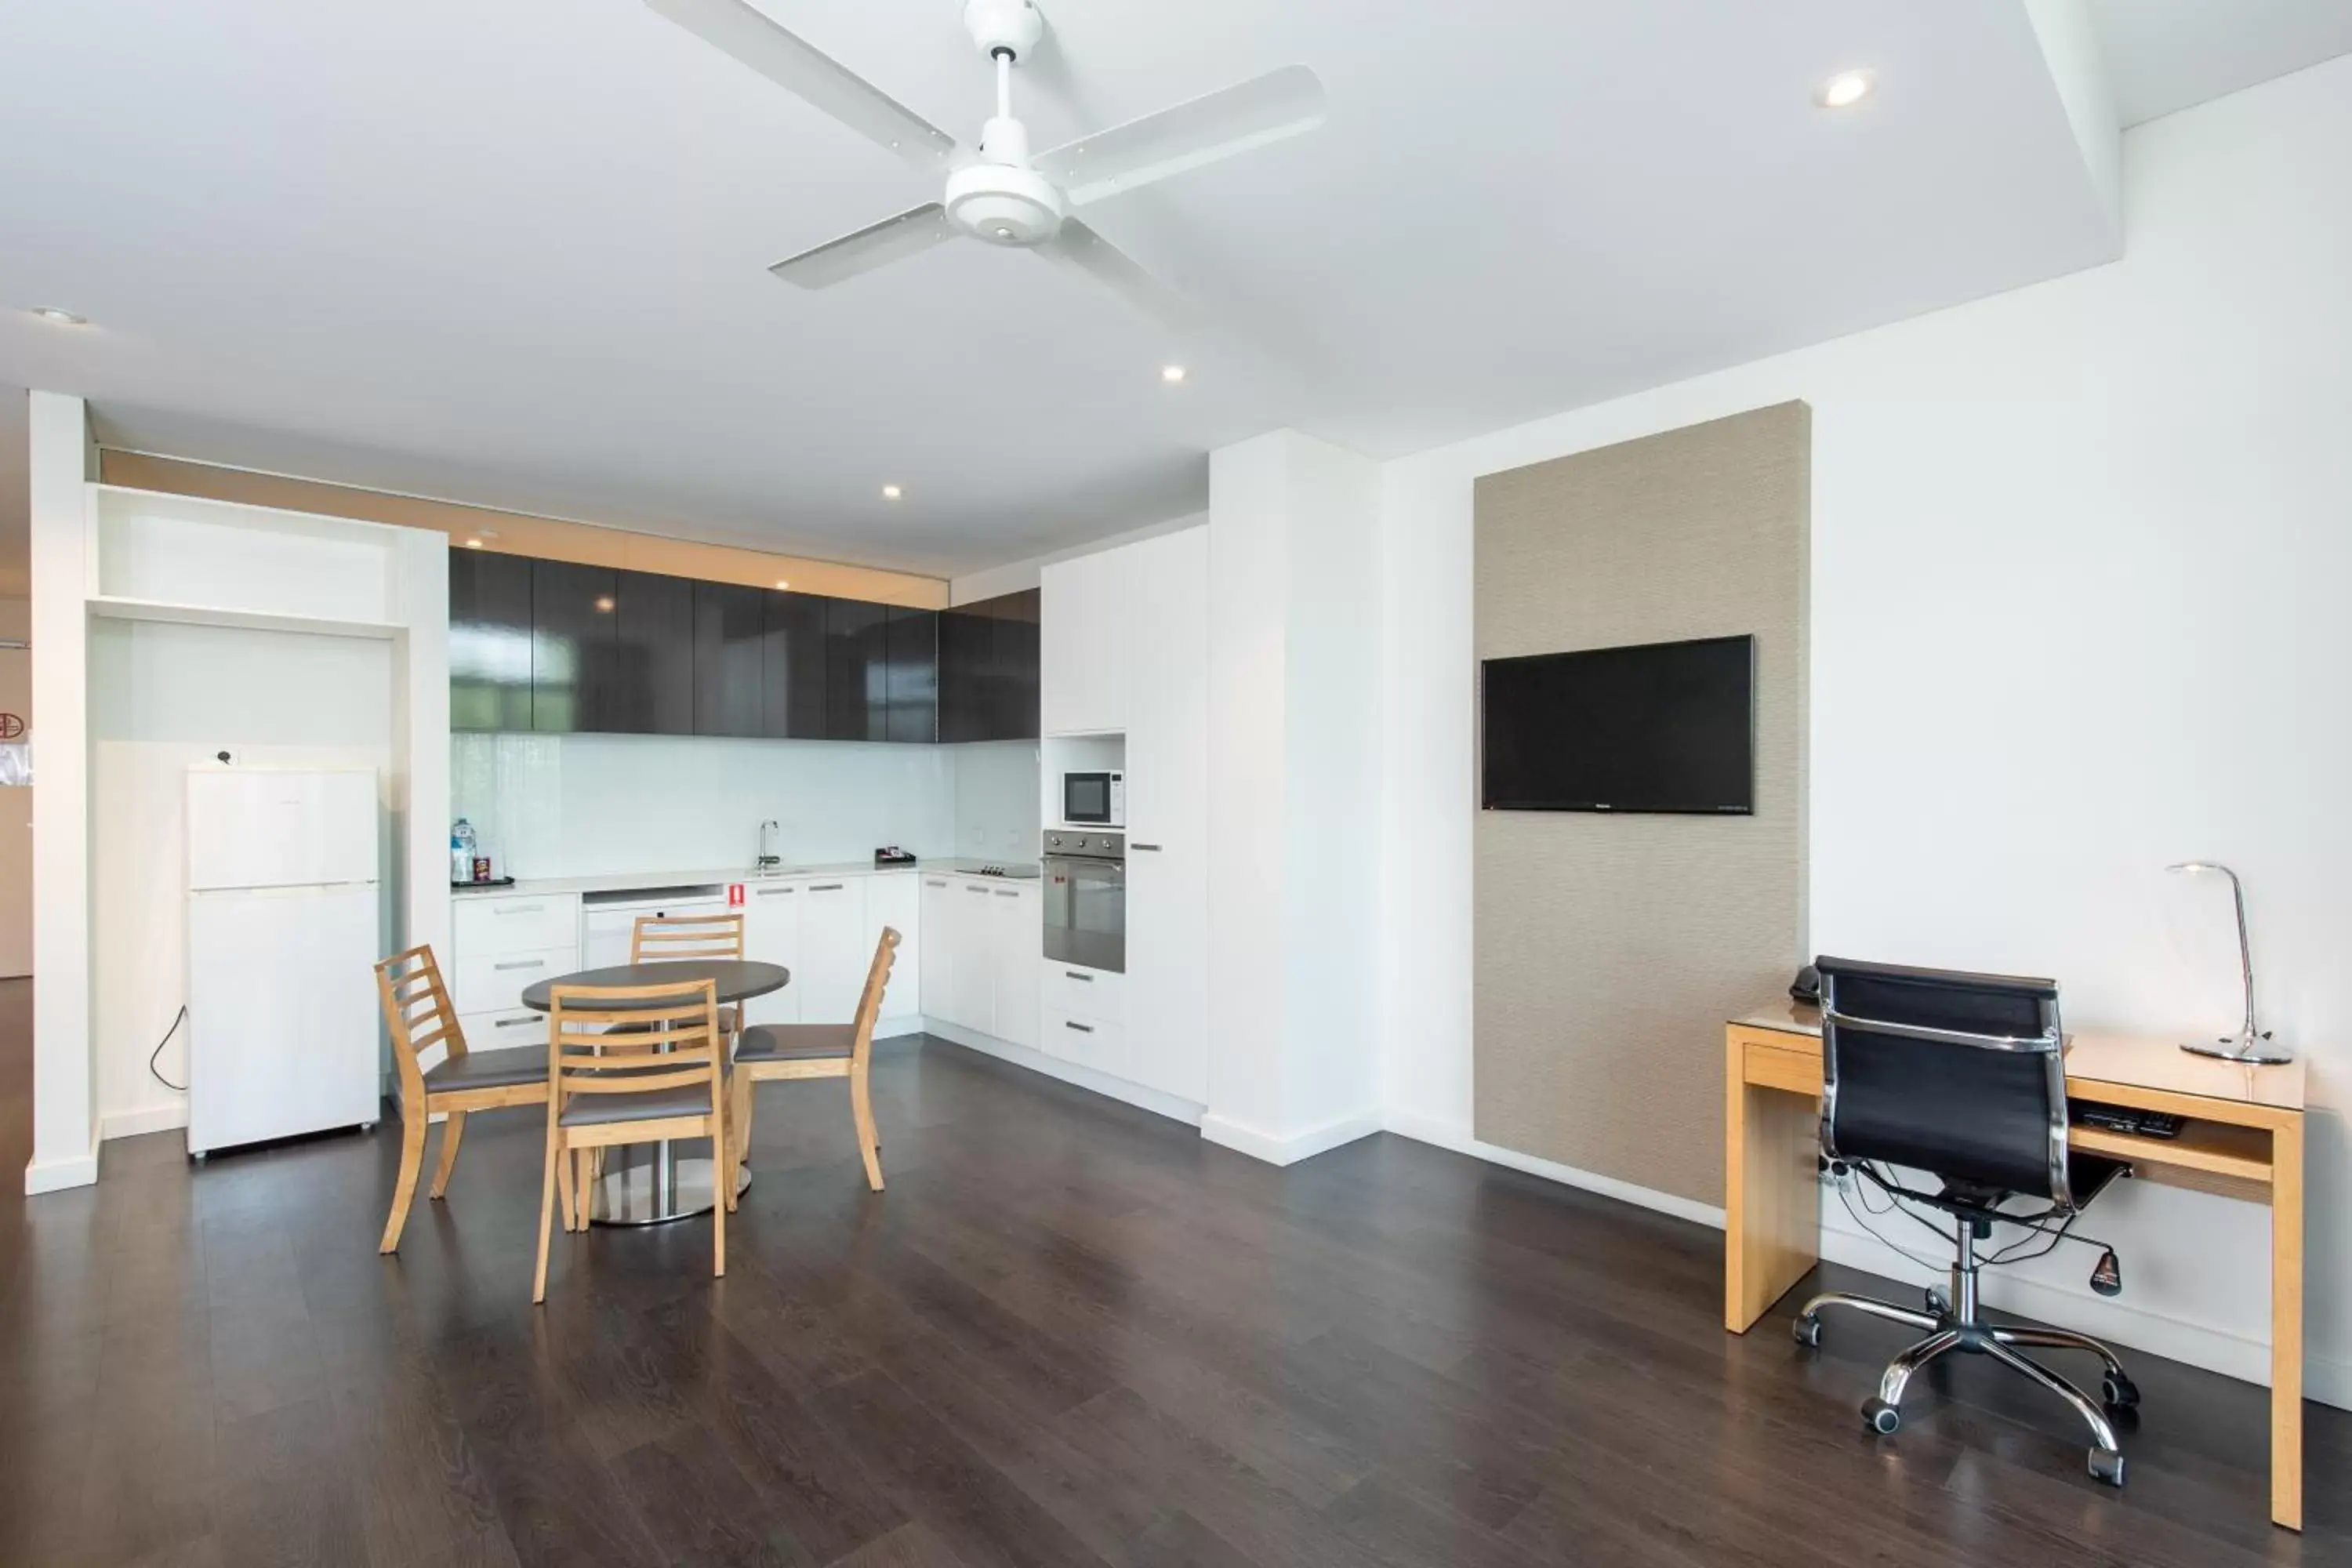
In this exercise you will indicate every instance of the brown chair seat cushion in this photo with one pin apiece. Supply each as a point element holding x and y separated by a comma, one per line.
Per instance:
<point>488,1069</point>
<point>642,1105</point>
<point>796,1043</point>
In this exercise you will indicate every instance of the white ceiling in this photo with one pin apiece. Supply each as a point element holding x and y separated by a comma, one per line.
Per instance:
<point>2164,56</point>
<point>514,254</point>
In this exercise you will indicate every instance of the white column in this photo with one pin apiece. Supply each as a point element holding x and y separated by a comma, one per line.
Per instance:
<point>1294,770</point>
<point>421,738</point>
<point>63,556</point>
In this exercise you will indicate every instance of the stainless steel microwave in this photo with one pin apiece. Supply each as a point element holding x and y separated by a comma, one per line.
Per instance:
<point>1094,800</point>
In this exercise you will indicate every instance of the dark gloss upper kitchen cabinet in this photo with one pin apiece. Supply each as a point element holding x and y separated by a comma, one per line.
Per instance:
<point>574,646</point>
<point>793,666</point>
<point>489,640</point>
<point>988,669</point>
<point>653,689</point>
<point>911,644</point>
<point>730,623</point>
<point>856,670</point>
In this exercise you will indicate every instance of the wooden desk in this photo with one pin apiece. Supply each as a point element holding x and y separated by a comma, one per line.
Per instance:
<point>2243,1139</point>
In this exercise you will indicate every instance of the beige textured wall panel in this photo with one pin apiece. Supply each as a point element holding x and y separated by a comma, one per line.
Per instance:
<point>1610,949</point>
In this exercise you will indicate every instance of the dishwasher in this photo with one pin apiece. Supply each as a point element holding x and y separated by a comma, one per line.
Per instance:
<point>608,920</point>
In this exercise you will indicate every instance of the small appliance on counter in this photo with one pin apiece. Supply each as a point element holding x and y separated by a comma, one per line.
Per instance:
<point>1094,799</point>
<point>891,855</point>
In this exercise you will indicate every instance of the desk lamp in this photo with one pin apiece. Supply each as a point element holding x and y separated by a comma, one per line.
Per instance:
<point>2249,1045</point>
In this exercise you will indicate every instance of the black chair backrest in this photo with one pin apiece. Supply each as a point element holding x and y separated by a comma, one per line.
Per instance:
<point>1961,1075</point>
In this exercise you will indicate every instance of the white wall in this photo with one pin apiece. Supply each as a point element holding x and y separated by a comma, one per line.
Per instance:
<point>1294,720</point>
<point>2079,559</point>
<point>65,1148</point>
<point>1015,576</point>
<point>17,800</point>
<point>574,805</point>
<point>164,698</point>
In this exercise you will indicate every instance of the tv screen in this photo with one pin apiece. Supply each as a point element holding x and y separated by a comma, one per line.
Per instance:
<point>1661,727</point>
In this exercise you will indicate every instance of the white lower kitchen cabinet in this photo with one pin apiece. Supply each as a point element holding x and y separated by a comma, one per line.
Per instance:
<point>771,934</point>
<point>499,945</point>
<point>971,985</point>
<point>836,946</point>
<point>981,936</point>
<point>894,899</point>
<point>1016,935</point>
<point>939,898</point>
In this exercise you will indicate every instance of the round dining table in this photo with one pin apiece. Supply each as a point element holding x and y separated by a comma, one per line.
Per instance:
<point>647,1184</point>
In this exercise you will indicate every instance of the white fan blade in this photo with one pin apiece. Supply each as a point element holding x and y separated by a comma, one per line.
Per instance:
<point>734,28</point>
<point>1081,250</point>
<point>1280,104</point>
<point>910,233</point>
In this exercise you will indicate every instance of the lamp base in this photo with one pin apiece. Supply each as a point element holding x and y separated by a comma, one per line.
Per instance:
<point>2247,1050</point>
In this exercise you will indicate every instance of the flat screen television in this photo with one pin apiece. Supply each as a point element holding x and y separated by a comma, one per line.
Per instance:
<point>1659,727</point>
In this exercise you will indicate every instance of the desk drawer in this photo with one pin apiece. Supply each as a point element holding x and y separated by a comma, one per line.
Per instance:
<point>1767,1066</point>
<point>487,984</point>
<point>495,928</point>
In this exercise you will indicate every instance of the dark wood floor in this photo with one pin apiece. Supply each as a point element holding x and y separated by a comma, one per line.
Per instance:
<point>1069,1333</point>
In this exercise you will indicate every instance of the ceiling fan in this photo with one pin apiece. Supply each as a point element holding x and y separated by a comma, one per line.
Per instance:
<point>996,192</point>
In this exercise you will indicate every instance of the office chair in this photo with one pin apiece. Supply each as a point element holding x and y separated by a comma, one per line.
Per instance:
<point>1964,1076</point>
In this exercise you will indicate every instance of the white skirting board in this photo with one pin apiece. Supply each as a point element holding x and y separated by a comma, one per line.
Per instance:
<point>2127,1327</point>
<point>1446,1135</point>
<point>148,1119</point>
<point>57,1175</point>
<point>1297,1146</point>
<point>1134,1094</point>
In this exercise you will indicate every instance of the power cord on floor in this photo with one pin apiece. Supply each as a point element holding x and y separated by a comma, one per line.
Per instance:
<point>179,1018</point>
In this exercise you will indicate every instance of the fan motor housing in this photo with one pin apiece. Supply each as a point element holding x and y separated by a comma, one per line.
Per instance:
<point>1005,204</point>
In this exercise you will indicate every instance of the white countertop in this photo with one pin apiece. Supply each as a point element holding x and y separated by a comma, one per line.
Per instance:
<point>626,881</point>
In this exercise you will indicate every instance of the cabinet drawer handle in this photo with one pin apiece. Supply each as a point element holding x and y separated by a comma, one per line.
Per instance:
<point>1154,848</point>
<point>934,882</point>
<point>772,893</point>
<point>517,1023</point>
<point>522,963</point>
<point>973,888</point>
<point>520,910</point>
<point>1007,892</point>
<point>826,888</point>
<point>1082,1028</point>
<point>1076,976</point>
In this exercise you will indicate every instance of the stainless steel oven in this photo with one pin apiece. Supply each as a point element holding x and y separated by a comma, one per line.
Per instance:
<point>1094,800</point>
<point>1085,899</point>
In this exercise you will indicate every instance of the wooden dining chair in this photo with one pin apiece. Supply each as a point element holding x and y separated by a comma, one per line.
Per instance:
<point>658,939</point>
<point>765,1052</point>
<point>417,1015</point>
<point>665,1078</point>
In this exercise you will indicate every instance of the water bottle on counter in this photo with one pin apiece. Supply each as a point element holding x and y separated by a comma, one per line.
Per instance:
<point>461,851</point>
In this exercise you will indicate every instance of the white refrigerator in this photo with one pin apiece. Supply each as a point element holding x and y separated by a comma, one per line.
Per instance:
<point>284,924</point>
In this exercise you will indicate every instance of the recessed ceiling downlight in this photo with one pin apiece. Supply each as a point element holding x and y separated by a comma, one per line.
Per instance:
<point>891,492</point>
<point>62,318</point>
<point>1845,89</point>
<point>1171,374</point>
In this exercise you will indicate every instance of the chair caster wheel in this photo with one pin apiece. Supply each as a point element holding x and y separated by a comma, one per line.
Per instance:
<point>1807,1331</point>
<point>1881,1416</point>
<point>1936,1306</point>
<point>2118,1391</point>
<point>2107,1466</point>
